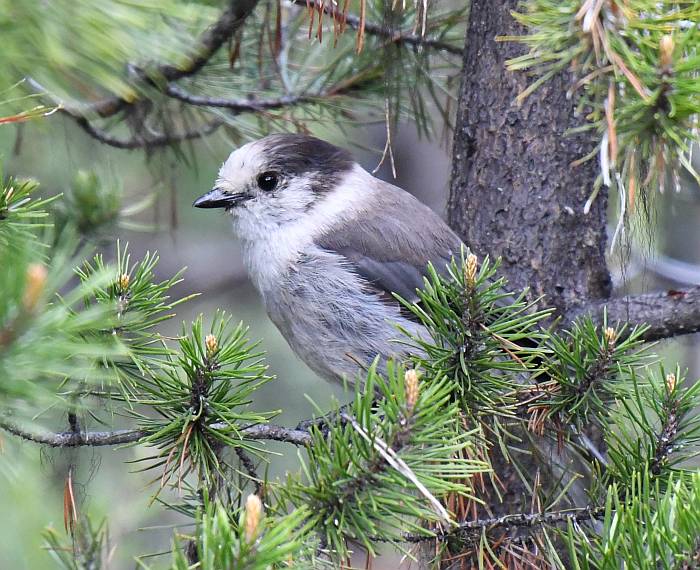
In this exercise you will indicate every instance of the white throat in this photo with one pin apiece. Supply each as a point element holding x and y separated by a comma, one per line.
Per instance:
<point>269,251</point>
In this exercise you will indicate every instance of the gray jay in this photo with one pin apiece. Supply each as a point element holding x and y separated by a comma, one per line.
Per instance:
<point>325,244</point>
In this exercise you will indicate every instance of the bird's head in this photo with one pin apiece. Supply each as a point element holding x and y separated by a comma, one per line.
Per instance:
<point>276,180</point>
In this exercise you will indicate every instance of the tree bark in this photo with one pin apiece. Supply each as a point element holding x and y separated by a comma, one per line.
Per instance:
<point>665,314</point>
<point>514,193</point>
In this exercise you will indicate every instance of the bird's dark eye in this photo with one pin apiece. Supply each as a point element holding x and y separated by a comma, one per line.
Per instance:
<point>267,181</point>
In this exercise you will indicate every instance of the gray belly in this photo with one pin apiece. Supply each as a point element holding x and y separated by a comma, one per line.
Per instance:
<point>332,320</point>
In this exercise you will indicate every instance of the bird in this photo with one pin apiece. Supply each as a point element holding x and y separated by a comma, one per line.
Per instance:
<point>326,245</point>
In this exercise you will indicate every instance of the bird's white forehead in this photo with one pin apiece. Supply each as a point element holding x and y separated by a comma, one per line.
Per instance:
<point>243,162</point>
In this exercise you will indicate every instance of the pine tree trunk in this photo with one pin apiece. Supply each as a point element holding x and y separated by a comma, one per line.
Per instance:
<point>514,193</point>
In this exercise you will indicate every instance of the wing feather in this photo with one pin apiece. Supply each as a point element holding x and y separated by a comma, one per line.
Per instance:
<point>392,241</point>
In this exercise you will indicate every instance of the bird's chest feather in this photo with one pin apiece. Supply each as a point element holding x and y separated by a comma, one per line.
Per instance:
<point>269,259</point>
<point>330,318</point>
<point>320,294</point>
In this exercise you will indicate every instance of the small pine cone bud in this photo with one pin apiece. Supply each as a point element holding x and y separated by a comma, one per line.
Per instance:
<point>666,51</point>
<point>470,270</point>
<point>212,344</point>
<point>36,281</point>
<point>124,281</point>
<point>412,389</point>
<point>671,381</point>
<point>610,337</point>
<point>253,513</point>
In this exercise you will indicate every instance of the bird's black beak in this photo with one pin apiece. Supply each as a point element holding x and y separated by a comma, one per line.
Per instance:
<point>217,198</point>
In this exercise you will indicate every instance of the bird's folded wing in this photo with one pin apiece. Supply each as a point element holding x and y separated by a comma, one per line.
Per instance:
<point>391,243</point>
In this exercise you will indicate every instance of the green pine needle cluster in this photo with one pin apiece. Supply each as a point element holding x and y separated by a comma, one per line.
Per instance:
<point>481,335</point>
<point>588,368</point>
<point>647,527</point>
<point>388,465</point>
<point>521,386</point>
<point>138,304</point>
<point>22,211</point>
<point>249,541</point>
<point>201,397</point>
<point>43,335</point>
<point>657,426</point>
<point>634,71</point>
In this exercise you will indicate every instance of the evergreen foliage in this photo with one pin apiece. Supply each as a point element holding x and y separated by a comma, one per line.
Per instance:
<point>154,70</point>
<point>200,396</point>
<point>645,526</point>
<point>416,459</point>
<point>634,68</point>
<point>251,541</point>
<point>360,473</point>
<point>404,463</point>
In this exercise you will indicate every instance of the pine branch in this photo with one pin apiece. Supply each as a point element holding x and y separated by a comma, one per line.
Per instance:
<point>519,520</point>
<point>324,423</point>
<point>161,78</point>
<point>235,105</point>
<point>394,36</point>
<point>531,519</point>
<point>249,465</point>
<point>589,370</point>
<point>152,141</point>
<point>239,105</point>
<point>256,105</point>
<point>667,314</point>
<point>358,476</point>
<point>124,436</point>
<point>158,140</point>
<point>230,21</point>
<point>665,439</point>
<point>656,431</point>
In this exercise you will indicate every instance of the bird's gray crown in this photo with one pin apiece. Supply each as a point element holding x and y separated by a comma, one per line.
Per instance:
<point>299,155</point>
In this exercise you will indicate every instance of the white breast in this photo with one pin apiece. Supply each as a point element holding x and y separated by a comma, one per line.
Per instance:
<point>273,251</point>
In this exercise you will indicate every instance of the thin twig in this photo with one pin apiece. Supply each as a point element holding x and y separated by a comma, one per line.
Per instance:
<point>324,422</point>
<point>531,519</point>
<point>151,141</point>
<point>124,436</point>
<point>249,466</point>
<point>470,528</point>
<point>255,105</point>
<point>238,105</point>
<point>665,439</point>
